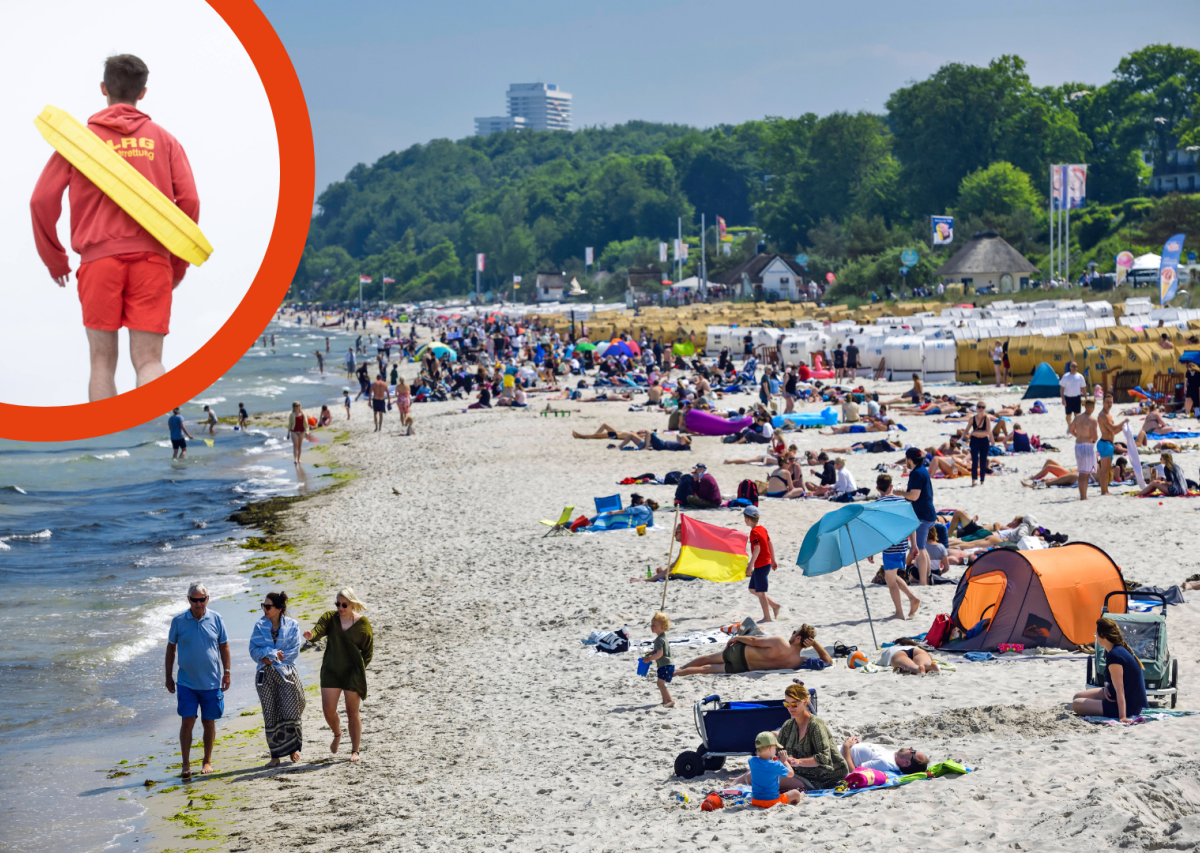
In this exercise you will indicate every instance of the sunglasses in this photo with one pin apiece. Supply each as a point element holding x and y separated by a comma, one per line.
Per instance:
<point>791,704</point>
<point>268,606</point>
<point>197,600</point>
<point>341,605</point>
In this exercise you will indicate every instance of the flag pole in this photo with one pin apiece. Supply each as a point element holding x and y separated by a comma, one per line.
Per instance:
<point>861,586</point>
<point>670,548</point>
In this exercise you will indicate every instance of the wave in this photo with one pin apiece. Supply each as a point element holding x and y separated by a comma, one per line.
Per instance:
<point>17,489</point>
<point>208,401</point>
<point>99,457</point>
<point>264,391</point>
<point>304,380</point>
<point>22,537</point>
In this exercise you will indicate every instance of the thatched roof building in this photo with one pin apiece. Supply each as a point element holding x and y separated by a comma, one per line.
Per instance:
<point>988,259</point>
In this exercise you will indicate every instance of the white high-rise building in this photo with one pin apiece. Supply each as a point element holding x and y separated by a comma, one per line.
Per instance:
<point>531,106</point>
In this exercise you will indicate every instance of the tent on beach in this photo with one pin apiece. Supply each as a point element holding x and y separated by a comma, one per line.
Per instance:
<point>1043,384</point>
<point>1048,598</point>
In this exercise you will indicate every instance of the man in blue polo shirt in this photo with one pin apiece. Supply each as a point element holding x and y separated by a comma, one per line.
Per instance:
<point>203,650</point>
<point>920,492</point>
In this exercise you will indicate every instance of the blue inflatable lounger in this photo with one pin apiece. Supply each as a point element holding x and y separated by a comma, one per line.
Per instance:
<point>825,417</point>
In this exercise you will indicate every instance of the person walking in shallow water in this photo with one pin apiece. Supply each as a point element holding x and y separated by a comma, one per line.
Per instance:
<point>274,648</point>
<point>198,636</point>
<point>344,667</point>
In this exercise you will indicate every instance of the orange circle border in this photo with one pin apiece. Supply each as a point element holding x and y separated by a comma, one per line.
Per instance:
<point>292,216</point>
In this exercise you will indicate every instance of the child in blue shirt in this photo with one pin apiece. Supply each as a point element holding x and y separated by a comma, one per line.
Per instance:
<point>766,771</point>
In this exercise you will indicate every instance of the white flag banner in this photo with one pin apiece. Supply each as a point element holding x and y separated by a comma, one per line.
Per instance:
<point>662,253</point>
<point>516,279</point>
<point>587,256</point>
<point>675,245</point>
<point>479,261</point>
<point>1076,185</point>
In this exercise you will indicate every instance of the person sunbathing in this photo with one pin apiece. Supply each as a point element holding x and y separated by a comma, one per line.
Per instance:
<point>902,761</point>
<point>755,654</point>
<point>912,395</point>
<point>1022,525</point>
<point>1191,583</point>
<point>781,484</point>
<point>1008,411</point>
<point>1153,425</point>
<point>907,657</point>
<point>771,458</point>
<point>843,429</point>
<point>882,445</point>
<point>1051,468</point>
<point>609,432</point>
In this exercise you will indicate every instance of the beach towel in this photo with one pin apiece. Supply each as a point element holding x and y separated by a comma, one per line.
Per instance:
<point>895,780</point>
<point>1158,435</point>
<point>1147,716</point>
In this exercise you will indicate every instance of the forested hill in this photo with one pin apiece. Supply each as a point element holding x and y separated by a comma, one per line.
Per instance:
<point>850,189</point>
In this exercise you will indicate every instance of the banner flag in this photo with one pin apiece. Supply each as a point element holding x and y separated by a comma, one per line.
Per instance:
<point>516,279</point>
<point>364,279</point>
<point>1076,185</point>
<point>721,227</point>
<point>587,256</point>
<point>479,258</point>
<point>1168,269</point>
<point>662,253</point>
<point>943,230</point>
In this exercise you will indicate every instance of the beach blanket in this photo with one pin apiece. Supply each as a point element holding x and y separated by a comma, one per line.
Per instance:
<point>1177,434</point>
<point>893,781</point>
<point>1147,716</point>
<point>739,795</point>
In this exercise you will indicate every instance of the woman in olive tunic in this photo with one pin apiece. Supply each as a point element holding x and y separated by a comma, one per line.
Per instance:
<point>807,745</point>
<point>344,667</point>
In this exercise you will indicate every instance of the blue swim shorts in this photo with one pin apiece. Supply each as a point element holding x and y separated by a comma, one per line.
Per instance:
<point>857,428</point>
<point>211,703</point>
<point>1104,449</point>
<point>665,673</point>
<point>894,561</point>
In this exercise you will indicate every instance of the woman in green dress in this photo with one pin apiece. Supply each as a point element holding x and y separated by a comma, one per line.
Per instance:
<point>344,667</point>
<point>807,745</point>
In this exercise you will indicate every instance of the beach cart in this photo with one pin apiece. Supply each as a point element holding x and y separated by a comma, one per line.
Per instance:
<point>729,728</point>
<point>1146,634</point>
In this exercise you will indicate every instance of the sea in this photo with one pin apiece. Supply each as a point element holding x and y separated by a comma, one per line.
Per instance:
<point>99,540</point>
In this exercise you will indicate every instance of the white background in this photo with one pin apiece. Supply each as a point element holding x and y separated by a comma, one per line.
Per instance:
<point>205,91</point>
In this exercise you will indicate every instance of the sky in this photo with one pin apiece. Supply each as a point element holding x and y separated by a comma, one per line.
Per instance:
<point>381,75</point>
<point>202,89</point>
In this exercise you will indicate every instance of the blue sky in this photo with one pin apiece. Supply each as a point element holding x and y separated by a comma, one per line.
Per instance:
<point>381,76</point>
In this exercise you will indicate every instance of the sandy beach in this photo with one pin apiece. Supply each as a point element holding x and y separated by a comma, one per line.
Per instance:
<point>489,726</point>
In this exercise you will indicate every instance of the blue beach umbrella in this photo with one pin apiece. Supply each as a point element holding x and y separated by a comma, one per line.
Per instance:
<point>855,530</point>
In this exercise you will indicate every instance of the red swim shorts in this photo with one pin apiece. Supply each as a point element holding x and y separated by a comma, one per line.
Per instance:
<point>131,290</point>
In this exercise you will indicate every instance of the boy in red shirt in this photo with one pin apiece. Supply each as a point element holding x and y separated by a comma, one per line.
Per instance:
<point>762,561</point>
<point>126,276</point>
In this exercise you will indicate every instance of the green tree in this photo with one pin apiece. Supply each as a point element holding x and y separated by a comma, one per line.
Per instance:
<point>1160,85</point>
<point>965,117</point>
<point>999,188</point>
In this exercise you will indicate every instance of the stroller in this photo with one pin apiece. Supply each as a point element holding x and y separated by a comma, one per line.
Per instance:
<point>729,728</point>
<point>1146,634</point>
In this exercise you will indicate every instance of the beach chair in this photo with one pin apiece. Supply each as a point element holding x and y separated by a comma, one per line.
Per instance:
<point>612,503</point>
<point>558,528</point>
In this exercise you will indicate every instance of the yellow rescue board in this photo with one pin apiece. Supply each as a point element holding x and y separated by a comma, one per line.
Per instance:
<point>125,185</point>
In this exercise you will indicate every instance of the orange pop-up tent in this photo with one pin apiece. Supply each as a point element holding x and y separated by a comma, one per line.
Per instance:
<point>1036,598</point>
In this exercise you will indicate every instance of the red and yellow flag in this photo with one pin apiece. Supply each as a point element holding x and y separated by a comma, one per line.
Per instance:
<point>714,553</point>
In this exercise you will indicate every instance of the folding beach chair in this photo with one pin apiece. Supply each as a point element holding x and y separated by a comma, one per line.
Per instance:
<point>563,525</point>
<point>612,503</point>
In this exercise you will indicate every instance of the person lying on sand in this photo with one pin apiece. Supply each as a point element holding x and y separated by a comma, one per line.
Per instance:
<point>883,445</point>
<point>1022,525</point>
<point>1191,583</point>
<point>606,431</point>
<point>875,757</point>
<point>843,429</point>
<point>907,657</point>
<point>752,654</point>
